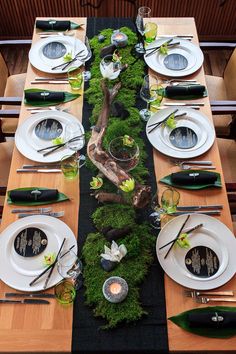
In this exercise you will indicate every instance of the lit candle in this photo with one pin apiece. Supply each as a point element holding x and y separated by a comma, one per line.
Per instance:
<point>115,289</point>
<point>119,39</point>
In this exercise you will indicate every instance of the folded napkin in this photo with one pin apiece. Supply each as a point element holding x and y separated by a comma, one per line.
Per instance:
<point>185,91</point>
<point>53,25</point>
<point>33,195</point>
<point>212,319</point>
<point>193,177</point>
<point>45,96</point>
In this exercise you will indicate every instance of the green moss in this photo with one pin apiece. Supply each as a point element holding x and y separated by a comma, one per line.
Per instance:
<point>139,242</point>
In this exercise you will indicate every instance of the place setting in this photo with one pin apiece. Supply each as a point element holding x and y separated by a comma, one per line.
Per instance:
<point>52,54</point>
<point>180,57</point>
<point>46,138</point>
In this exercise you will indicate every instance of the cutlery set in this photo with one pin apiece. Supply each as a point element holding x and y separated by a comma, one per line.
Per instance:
<point>29,298</point>
<point>22,213</point>
<point>204,296</point>
<point>153,50</point>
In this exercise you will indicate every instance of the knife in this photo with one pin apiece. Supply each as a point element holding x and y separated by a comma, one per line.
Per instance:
<point>154,49</point>
<point>199,207</point>
<point>41,295</point>
<point>25,301</point>
<point>40,166</point>
<point>52,170</point>
<point>209,212</point>
<point>50,82</point>
<point>40,210</point>
<point>184,104</point>
<point>38,78</point>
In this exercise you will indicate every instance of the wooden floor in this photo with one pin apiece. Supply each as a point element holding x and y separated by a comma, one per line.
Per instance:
<point>17,60</point>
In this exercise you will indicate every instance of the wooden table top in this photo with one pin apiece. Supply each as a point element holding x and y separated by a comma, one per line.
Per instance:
<point>49,328</point>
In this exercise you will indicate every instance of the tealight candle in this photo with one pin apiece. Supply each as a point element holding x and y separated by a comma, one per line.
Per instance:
<point>119,39</point>
<point>115,289</point>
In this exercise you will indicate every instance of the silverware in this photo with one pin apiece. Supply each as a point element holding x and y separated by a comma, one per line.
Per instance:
<point>25,301</point>
<point>39,78</point>
<point>63,66</point>
<point>174,35</point>
<point>46,110</point>
<point>168,81</point>
<point>59,82</point>
<point>205,300</point>
<point>155,49</point>
<point>53,148</point>
<point>57,214</point>
<point>184,104</point>
<point>178,162</point>
<point>165,107</point>
<point>156,125</point>
<point>195,293</point>
<point>198,167</point>
<point>209,212</point>
<point>177,236</point>
<point>199,207</point>
<point>49,267</point>
<point>40,166</point>
<point>40,295</point>
<point>52,170</point>
<point>186,232</point>
<point>40,210</point>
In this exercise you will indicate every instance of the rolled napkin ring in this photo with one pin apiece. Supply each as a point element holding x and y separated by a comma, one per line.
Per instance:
<point>36,193</point>
<point>217,318</point>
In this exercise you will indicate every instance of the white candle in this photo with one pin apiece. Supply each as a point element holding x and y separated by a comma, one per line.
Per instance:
<point>115,289</point>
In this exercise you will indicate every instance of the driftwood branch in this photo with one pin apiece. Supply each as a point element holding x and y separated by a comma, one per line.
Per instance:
<point>102,160</point>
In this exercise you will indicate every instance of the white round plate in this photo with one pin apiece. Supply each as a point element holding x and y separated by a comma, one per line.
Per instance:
<point>198,122</point>
<point>27,142</point>
<point>17,271</point>
<point>190,51</point>
<point>214,234</point>
<point>41,62</point>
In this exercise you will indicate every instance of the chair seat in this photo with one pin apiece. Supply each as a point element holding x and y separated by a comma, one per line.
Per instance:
<point>6,149</point>
<point>217,91</point>
<point>14,88</point>
<point>227,148</point>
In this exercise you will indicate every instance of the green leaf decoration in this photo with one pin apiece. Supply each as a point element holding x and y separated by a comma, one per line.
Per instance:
<point>188,97</point>
<point>68,97</point>
<point>61,197</point>
<point>181,320</point>
<point>74,25</point>
<point>167,180</point>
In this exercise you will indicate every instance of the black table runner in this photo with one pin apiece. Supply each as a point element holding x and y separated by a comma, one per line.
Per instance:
<point>148,335</point>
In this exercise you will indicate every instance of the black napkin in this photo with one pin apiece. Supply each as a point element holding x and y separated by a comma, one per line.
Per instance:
<point>191,90</point>
<point>45,96</point>
<point>205,319</point>
<point>28,196</point>
<point>53,25</point>
<point>193,177</point>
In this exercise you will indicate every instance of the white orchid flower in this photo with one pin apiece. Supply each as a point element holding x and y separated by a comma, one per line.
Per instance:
<point>115,253</point>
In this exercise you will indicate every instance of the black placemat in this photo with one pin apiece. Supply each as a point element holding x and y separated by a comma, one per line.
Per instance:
<point>148,335</point>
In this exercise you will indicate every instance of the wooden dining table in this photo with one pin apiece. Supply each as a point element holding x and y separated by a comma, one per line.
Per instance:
<point>28,328</point>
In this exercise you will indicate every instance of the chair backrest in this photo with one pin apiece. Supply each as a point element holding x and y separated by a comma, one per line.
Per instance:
<point>230,77</point>
<point>3,75</point>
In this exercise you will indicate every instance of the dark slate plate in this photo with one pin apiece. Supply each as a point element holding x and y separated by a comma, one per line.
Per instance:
<point>54,50</point>
<point>48,129</point>
<point>30,242</point>
<point>202,261</point>
<point>183,138</point>
<point>175,62</point>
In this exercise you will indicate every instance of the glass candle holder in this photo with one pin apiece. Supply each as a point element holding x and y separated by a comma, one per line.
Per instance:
<point>115,289</point>
<point>69,166</point>
<point>109,68</point>
<point>126,156</point>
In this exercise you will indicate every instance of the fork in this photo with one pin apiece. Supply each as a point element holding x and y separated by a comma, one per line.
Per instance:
<point>195,293</point>
<point>168,81</point>
<point>180,162</point>
<point>49,34</point>
<point>205,300</point>
<point>51,108</point>
<point>40,210</point>
<point>199,167</point>
<point>57,214</point>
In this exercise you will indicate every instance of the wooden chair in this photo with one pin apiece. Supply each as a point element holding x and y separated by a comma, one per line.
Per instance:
<point>10,86</point>
<point>222,88</point>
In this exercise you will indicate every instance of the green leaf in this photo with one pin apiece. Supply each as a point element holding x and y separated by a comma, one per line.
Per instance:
<point>167,180</point>
<point>74,25</point>
<point>68,97</point>
<point>61,197</point>
<point>181,320</point>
